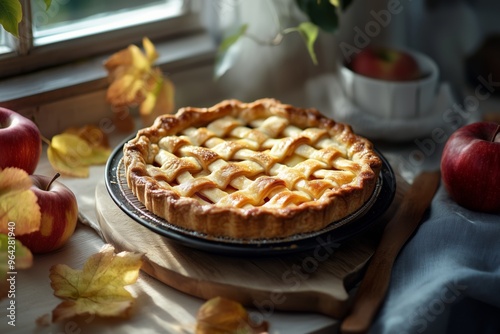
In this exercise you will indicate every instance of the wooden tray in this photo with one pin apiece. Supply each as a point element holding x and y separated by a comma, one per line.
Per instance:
<point>314,281</point>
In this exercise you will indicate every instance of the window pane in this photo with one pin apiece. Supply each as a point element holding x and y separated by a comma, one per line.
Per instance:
<point>67,19</point>
<point>4,46</point>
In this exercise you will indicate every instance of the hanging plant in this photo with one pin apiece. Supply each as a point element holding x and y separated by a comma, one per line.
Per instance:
<point>322,15</point>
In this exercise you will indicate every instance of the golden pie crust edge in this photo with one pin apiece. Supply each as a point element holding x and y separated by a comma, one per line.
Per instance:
<point>253,223</point>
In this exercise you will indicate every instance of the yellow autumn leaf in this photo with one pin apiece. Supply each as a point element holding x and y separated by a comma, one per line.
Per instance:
<point>134,82</point>
<point>66,165</point>
<point>150,50</point>
<point>159,100</point>
<point>99,156</point>
<point>224,316</point>
<point>73,151</point>
<point>66,154</point>
<point>71,145</point>
<point>92,134</point>
<point>18,203</point>
<point>129,70</point>
<point>99,288</point>
<point>127,87</point>
<point>132,56</point>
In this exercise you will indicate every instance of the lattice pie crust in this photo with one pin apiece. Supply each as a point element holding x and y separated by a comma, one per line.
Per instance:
<point>250,170</point>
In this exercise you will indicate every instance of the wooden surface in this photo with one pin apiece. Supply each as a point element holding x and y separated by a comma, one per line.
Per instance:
<point>313,281</point>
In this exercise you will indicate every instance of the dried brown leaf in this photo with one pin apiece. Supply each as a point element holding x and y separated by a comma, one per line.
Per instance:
<point>224,316</point>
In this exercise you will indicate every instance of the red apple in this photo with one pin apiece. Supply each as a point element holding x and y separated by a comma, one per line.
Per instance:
<point>59,210</point>
<point>385,64</point>
<point>470,166</point>
<point>20,141</point>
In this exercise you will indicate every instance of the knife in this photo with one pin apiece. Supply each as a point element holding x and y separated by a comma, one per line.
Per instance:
<point>398,230</point>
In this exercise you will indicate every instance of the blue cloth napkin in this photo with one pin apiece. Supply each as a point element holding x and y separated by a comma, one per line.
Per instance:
<point>447,277</point>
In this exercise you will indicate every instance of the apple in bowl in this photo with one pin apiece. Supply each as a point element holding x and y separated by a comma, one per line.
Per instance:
<point>390,84</point>
<point>386,64</point>
<point>20,141</point>
<point>59,210</point>
<point>470,166</point>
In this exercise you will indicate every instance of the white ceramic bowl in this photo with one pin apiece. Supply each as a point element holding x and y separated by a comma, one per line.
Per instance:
<point>393,99</point>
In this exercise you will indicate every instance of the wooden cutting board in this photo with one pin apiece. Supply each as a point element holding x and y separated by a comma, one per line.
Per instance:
<point>312,281</point>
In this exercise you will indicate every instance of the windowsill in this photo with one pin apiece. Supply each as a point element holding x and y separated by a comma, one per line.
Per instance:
<point>75,95</point>
<point>57,83</point>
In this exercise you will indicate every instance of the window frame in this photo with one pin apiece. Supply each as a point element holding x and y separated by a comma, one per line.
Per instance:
<point>26,57</point>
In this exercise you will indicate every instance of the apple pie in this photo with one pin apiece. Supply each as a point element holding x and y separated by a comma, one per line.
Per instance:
<point>259,170</point>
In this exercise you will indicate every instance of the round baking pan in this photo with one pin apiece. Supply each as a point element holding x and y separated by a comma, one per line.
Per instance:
<point>332,235</point>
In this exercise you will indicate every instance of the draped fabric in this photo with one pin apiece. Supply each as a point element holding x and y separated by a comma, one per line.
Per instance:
<point>447,278</point>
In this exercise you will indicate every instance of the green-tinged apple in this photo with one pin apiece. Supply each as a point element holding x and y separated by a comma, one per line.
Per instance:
<point>385,64</point>
<point>20,141</point>
<point>470,166</point>
<point>59,211</point>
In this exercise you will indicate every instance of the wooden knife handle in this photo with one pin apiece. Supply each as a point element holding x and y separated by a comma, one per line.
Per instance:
<point>398,230</point>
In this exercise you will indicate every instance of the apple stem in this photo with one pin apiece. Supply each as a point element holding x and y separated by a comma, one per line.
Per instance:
<point>495,134</point>
<point>51,181</point>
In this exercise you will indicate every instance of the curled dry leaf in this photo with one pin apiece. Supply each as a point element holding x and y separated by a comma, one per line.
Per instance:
<point>134,81</point>
<point>223,316</point>
<point>19,210</point>
<point>73,151</point>
<point>99,288</point>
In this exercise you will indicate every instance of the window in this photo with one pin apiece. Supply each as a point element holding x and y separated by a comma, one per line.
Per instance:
<point>67,19</point>
<point>63,11</point>
<point>74,29</point>
<point>3,42</point>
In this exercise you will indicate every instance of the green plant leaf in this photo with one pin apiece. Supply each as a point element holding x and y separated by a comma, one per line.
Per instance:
<point>227,52</point>
<point>11,13</point>
<point>344,4</point>
<point>321,12</point>
<point>309,32</point>
<point>47,4</point>
<point>230,40</point>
